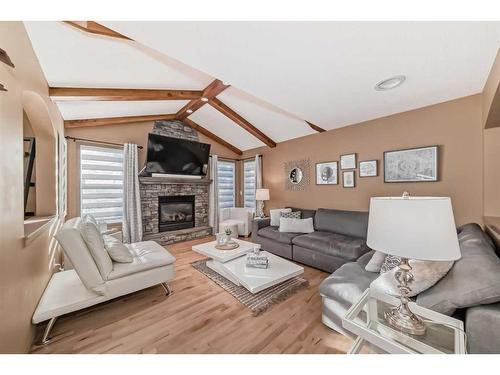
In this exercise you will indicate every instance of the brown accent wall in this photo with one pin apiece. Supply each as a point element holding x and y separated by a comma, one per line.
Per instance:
<point>456,126</point>
<point>25,268</point>
<point>133,133</point>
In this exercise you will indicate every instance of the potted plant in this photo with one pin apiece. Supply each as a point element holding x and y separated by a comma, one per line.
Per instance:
<point>228,232</point>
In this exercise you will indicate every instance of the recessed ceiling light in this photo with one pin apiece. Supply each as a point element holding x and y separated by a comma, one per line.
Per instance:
<point>225,83</point>
<point>189,111</point>
<point>204,99</point>
<point>390,83</point>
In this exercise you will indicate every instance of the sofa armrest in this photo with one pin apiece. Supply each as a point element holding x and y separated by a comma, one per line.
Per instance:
<point>258,224</point>
<point>482,325</point>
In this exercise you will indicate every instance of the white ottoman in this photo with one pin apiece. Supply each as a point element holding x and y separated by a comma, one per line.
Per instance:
<point>231,224</point>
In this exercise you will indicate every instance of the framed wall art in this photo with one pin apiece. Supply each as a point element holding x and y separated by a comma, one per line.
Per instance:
<point>348,179</point>
<point>368,168</point>
<point>326,173</point>
<point>348,161</point>
<point>411,165</point>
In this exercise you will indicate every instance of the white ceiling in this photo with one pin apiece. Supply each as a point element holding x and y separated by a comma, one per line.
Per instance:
<point>281,73</point>
<point>325,72</point>
<point>75,110</point>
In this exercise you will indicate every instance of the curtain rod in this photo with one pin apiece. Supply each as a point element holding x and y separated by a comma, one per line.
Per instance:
<point>94,141</point>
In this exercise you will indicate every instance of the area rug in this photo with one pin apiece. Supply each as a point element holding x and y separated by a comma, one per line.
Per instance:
<point>259,302</point>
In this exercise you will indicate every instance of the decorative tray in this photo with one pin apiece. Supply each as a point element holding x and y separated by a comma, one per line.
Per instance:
<point>228,246</point>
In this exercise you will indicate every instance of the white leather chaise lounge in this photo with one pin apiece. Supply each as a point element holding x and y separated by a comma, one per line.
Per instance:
<point>85,285</point>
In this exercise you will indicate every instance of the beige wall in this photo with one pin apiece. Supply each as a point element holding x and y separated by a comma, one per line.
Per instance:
<point>455,126</point>
<point>133,133</point>
<point>24,269</point>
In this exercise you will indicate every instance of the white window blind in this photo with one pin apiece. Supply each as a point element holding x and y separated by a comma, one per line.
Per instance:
<point>249,184</point>
<point>226,171</point>
<point>101,183</point>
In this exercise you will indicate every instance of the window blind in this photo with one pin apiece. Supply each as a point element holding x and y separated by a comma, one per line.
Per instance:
<point>101,183</point>
<point>249,184</point>
<point>226,171</point>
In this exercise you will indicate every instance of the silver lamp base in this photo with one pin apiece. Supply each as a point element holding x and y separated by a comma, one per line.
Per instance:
<point>401,317</point>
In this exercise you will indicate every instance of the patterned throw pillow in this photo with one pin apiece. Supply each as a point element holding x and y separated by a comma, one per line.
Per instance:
<point>292,215</point>
<point>390,262</point>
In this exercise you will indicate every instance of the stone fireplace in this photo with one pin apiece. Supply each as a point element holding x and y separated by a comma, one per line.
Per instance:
<point>174,209</point>
<point>175,212</point>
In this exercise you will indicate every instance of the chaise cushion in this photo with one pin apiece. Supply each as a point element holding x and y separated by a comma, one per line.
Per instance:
<point>95,243</point>
<point>146,256</point>
<point>273,233</point>
<point>347,283</point>
<point>334,244</point>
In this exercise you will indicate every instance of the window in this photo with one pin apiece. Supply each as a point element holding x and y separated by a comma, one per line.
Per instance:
<point>249,184</point>
<point>101,183</point>
<point>226,171</point>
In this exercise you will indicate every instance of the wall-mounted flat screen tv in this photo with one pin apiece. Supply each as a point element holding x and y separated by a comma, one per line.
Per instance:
<point>169,155</point>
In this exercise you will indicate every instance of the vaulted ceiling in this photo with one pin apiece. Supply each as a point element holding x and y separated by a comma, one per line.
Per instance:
<point>281,74</point>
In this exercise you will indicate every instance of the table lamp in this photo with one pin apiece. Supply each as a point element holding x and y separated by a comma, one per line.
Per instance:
<point>261,195</point>
<point>420,228</point>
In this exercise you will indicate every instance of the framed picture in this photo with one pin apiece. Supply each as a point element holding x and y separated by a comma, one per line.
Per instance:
<point>411,165</point>
<point>348,161</point>
<point>326,173</point>
<point>368,168</point>
<point>348,179</point>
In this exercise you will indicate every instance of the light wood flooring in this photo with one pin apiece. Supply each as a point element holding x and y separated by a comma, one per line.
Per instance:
<point>199,317</point>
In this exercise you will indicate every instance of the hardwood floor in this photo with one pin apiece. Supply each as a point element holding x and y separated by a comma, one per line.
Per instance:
<point>199,317</point>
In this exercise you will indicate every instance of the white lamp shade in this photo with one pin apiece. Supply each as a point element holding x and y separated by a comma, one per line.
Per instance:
<point>262,194</point>
<point>415,228</point>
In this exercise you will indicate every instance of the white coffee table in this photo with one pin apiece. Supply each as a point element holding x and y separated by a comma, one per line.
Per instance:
<point>231,265</point>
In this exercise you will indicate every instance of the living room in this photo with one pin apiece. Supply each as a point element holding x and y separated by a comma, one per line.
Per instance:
<point>338,194</point>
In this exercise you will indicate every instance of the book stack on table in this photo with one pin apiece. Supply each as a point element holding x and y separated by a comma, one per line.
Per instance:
<point>257,260</point>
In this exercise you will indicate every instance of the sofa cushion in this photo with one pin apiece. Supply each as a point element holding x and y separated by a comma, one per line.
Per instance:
<point>305,212</point>
<point>473,280</point>
<point>273,233</point>
<point>275,215</point>
<point>146,255</point>
<point>291,225</point>
<point>349,248</point>
<point>348,223</point>
<point>117,250</point>
<point>347,283</point>
<point>95,243</point>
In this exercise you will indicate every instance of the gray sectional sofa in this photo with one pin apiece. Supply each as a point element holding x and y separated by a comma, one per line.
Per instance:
<point>339,237</point>
<point>470,291</point>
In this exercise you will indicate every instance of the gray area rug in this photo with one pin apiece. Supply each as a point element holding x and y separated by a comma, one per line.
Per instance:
<point>259,302</point>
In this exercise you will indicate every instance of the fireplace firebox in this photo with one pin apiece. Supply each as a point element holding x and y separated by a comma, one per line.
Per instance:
<point>175,212</point>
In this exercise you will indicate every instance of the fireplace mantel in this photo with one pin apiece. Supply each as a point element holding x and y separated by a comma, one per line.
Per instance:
<point>174,181</point>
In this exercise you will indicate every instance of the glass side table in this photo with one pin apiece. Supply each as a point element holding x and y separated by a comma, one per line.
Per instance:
<point>365,319</point>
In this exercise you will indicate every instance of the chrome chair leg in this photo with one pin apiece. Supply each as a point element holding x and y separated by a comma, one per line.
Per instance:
<point>166,288</point>
<point>46,339</point>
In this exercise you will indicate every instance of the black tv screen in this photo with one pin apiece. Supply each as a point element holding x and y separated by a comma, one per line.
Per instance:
<point>176,156</point>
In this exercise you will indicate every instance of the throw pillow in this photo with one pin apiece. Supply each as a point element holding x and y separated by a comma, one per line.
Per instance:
<point>425,274</point>
<point>276,215</point>
<point>95,243</point>
<point>292,215</point>
<point>117,250</point>
<point>473,280</point>
<point>390,262</point>
<point>291,225</point>
<point>376,262</point>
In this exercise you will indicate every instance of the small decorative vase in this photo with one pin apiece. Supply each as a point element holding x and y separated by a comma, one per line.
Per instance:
<point>228,238</point>
<point>221,239</point>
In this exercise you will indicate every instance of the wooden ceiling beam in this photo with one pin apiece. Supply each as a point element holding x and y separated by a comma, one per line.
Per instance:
<point>316,127</point>
<point>210,92</point>
<point>100,94</point>
<point>228,112</point>
<point>115,120</point>
<point>211,135</point>
<point>96,28</point>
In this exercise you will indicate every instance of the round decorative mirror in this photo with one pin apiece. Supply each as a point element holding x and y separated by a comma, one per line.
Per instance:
<point>296,175</point>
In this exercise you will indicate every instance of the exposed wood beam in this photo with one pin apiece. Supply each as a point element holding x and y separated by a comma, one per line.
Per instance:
<point>210,92</point>
<point>98,94</point>
<point>212,136</point>
<point>115,120</point>
<point>316,127</point>
<point>228,112</point>
<point>96,28</point>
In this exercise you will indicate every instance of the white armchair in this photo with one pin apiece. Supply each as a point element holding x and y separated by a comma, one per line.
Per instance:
<point>241,217</point>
